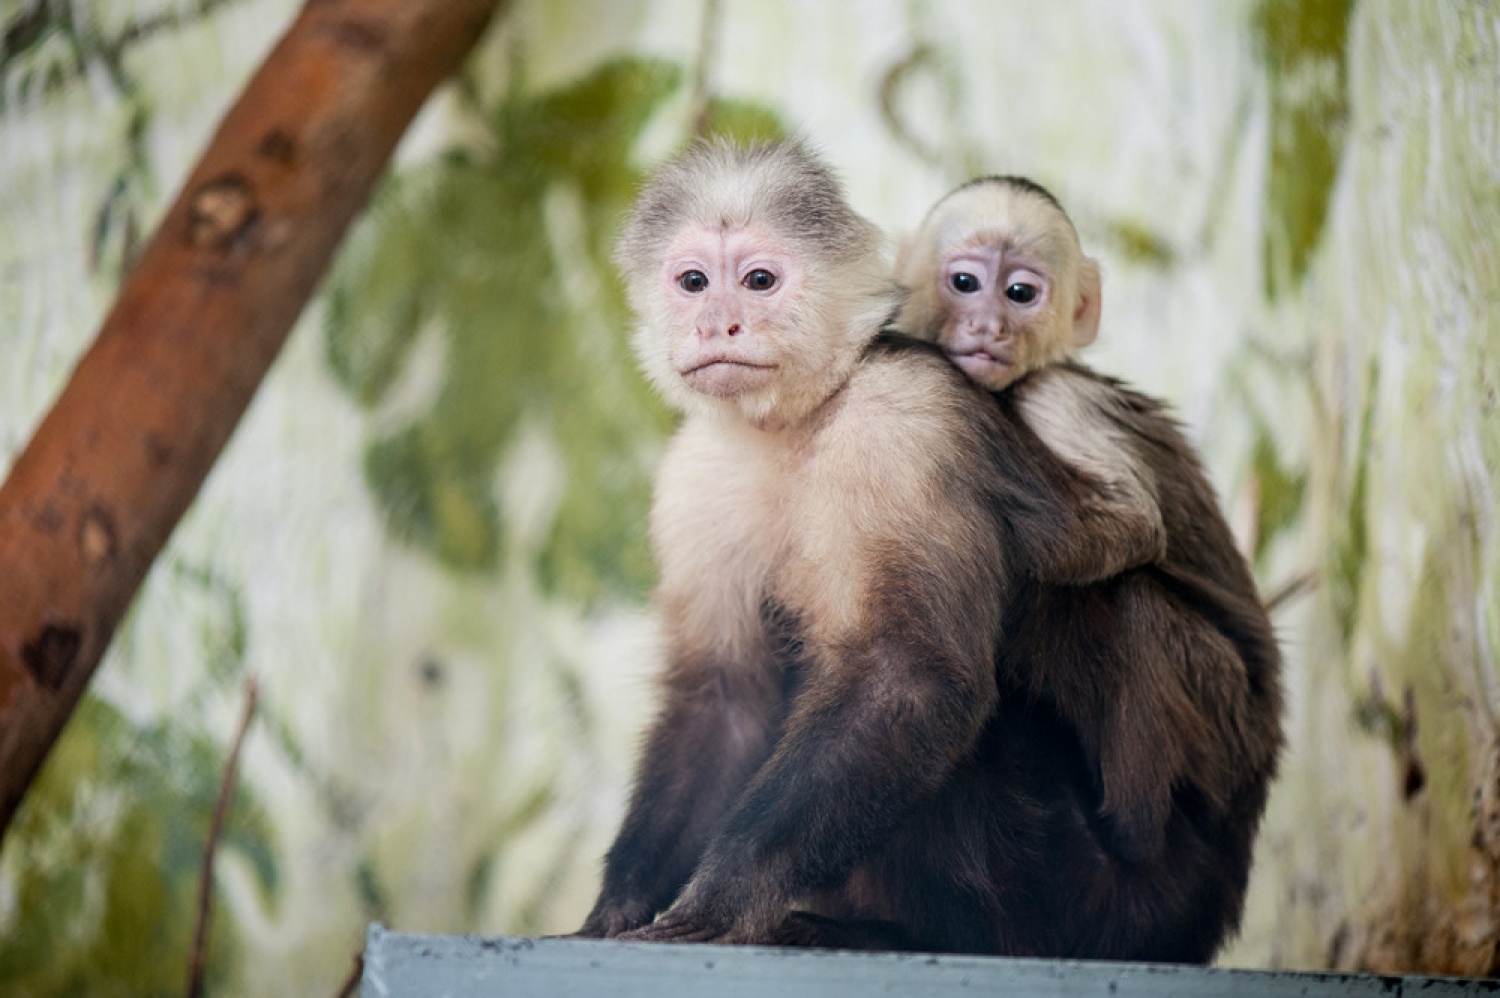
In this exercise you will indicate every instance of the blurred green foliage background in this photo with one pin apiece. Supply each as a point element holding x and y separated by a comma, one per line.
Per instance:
<point>427,540</point>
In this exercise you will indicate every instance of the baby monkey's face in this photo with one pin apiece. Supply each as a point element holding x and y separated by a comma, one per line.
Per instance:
<point>997,303</point>
<point>997,278</point>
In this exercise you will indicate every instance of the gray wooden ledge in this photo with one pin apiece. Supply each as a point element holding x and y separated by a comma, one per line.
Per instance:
<point>404,965</point>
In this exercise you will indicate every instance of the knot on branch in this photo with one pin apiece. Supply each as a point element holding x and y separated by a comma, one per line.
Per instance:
<point>222,213</point>
<point>278,146</point>
<point>50,656</point>
<point>96,535</point>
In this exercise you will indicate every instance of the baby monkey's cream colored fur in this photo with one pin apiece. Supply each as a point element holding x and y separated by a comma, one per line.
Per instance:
<point>1025,229</point>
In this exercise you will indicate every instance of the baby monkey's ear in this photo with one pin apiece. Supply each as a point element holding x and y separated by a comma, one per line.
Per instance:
<point>1090,302</point>
<point>906,245</point>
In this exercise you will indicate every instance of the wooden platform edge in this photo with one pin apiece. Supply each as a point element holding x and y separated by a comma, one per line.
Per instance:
<point>407,965</point>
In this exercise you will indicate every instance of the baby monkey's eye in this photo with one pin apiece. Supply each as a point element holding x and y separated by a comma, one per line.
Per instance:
<point>759,280</point>
<point>693,282</point>
<point>1022,294</point>
<point>963,283</point>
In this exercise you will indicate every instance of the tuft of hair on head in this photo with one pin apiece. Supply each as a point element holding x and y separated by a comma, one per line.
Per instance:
<point>1012,184</point>
<point>1015,182</point>
<point>716,183</point>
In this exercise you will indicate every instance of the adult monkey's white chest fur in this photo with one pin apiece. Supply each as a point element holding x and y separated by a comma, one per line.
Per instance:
<point>718,526</point>
<point>798,516</point>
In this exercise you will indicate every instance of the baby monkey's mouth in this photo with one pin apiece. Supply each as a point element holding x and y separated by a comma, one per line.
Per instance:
<point>980,355</point>
<point>980,364</point>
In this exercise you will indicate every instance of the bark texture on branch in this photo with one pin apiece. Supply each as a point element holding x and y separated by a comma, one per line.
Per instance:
<point>111,469</point>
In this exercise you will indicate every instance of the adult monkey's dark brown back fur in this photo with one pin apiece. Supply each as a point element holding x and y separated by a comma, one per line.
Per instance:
<point>851,748</point>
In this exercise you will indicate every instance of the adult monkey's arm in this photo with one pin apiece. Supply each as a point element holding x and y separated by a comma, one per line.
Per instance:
<point>111,469</point>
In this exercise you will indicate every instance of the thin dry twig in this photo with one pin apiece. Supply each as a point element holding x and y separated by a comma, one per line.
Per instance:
<point>351,983</point>
<point>1290,589</point>
<point>198,959</point>
<point>708,34</point>
<point>920,57</point>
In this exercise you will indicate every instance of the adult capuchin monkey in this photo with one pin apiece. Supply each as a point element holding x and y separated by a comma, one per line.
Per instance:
<point>851,751</point>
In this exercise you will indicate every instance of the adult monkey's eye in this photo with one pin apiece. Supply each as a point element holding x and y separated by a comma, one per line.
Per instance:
<point>759,280</point>
<point>964,283</point>
<point>1022,294</point>
<point>693,282</point>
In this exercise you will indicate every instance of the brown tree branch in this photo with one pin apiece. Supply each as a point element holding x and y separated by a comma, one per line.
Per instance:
<point>110,471</point>
<point>198,959</point>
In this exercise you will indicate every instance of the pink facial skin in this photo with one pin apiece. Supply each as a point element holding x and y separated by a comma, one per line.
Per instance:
<point>728,292</point>
<point>992,299</point>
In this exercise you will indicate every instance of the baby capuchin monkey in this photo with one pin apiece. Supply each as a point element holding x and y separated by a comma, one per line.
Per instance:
<point>880,727</point>
<point>997,278</point>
